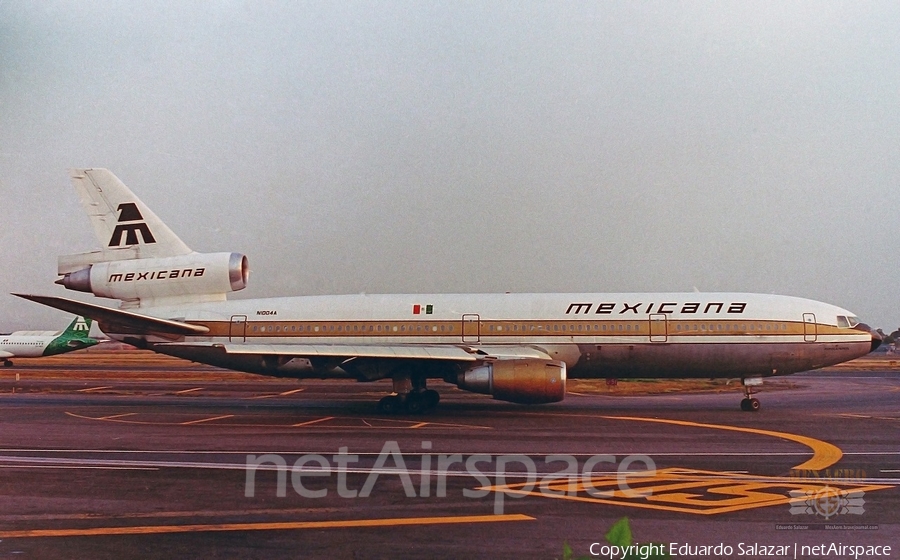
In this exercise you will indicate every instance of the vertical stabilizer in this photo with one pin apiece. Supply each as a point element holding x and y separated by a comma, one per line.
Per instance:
<point>123,224</point>
<point>75,337</point>
<point>142,262</point>
<point>78,328</point>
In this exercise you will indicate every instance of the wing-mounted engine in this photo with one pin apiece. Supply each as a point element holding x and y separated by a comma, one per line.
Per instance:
<point>160,279</point>
<point>525,381</point>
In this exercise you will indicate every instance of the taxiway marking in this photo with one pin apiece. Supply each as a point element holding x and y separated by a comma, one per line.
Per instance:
<point>272,395</point>
<point>824,454</point>
<point>189,390</point>
<point>351,523</point>
<point>316,421</point>
<point>207,419</point>
<point>117,416</point>
<point>867,417</point>
<point>386,423</point>
<point>88,390</point>
<point>682,490</point>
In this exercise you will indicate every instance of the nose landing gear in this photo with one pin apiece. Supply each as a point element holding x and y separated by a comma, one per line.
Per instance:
<point>750,403</point>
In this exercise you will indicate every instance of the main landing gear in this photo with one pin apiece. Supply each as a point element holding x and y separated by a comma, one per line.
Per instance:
<point>7,363</point>
<point>409,396</point>
<point>412,403</point>
<point>750,403</point>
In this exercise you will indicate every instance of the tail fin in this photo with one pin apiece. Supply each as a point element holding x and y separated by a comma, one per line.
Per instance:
<point>120,219</point>
<point>79,328</point>
<point>142,262</point>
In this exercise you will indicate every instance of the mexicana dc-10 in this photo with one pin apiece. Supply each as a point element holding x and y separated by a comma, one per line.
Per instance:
<point>516,347</point>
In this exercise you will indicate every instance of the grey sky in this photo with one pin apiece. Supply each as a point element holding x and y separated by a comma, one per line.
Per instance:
<point>466,147</point>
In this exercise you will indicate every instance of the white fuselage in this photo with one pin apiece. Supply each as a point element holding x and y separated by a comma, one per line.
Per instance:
<point>596,335</point>
<point>25,344</point>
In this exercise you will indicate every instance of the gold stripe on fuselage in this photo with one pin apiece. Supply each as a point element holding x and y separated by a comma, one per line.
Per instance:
<point>744,329</point>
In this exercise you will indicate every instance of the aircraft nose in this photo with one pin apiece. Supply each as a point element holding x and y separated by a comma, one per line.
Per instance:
<point>877,338</point>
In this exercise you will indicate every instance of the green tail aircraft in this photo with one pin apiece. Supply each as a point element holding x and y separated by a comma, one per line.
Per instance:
<point>34,344</point>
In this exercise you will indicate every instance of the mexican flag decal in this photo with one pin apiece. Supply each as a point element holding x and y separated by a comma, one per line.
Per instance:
<point>419,309</point>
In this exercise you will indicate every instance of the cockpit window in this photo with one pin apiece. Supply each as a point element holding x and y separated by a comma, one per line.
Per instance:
<point>843,322</point>
<point>853,321</point>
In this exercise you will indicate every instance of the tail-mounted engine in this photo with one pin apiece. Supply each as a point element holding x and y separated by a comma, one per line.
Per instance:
<point>161,278</point>
<point>525,381</point>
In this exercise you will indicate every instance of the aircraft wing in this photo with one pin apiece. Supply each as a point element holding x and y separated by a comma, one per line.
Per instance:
<point>5,355</point>
<point>404,352</point>
<point>125,321</point>
<point>369,361</point>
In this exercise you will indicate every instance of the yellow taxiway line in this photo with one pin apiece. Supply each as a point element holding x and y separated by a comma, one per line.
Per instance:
<point>290,525</point>
<point>824,453</point>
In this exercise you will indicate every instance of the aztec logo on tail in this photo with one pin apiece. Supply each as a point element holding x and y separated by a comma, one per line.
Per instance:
<point>130,224</point>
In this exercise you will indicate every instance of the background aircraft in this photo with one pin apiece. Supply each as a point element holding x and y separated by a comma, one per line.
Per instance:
<point>34,344</point>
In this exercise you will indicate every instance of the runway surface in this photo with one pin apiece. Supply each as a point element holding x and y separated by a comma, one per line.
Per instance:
<point>129,455</point>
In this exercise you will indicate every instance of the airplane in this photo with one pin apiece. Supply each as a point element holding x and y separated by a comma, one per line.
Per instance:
<point>34,344</point>
<point>518,348</point>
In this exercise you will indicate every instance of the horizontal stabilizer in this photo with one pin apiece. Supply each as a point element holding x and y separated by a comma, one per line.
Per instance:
<point>135,322</point>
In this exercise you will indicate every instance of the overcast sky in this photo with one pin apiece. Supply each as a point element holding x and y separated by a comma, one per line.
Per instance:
<point>422,147</point>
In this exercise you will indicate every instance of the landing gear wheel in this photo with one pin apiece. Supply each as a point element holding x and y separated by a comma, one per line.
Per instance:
<point>415,403</point>
<point>390,404</point>
<point>7,363</point>
<point>431,397</point>
<point>750,404</point>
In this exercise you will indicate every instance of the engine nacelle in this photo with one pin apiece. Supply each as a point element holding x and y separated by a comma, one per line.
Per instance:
<point>136,279</point>
<point>525,381</point>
